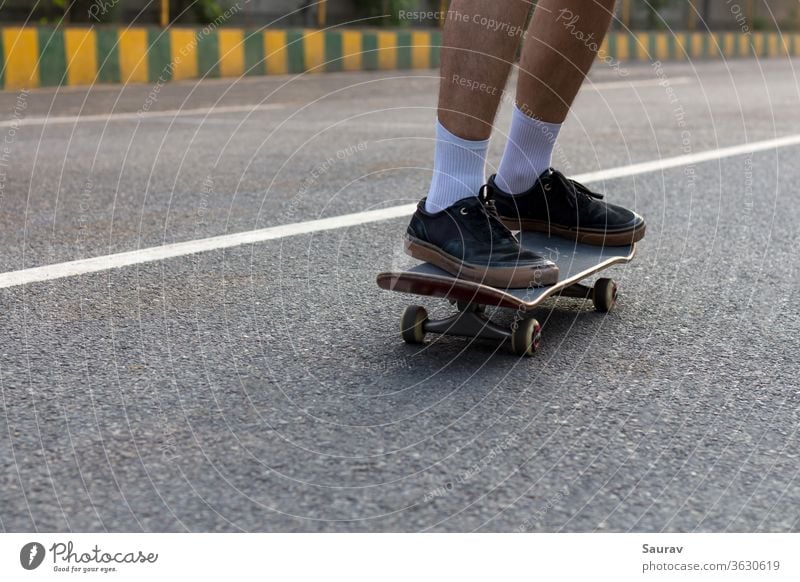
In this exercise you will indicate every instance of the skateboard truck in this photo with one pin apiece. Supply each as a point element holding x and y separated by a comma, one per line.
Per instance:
<point>525,333</point>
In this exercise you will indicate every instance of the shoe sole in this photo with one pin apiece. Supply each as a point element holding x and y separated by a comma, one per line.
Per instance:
<point>586,236</point>
<point>503,277</point>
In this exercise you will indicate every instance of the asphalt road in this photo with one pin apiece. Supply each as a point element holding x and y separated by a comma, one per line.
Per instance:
<point>265,387</point>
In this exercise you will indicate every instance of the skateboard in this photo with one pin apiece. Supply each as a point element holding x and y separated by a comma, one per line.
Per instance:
<point>576,262</point>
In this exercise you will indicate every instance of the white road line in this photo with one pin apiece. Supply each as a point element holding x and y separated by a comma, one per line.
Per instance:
<point>115,261</point>
<point>69,119</point>
<point>688,159</point>
<point>634,84</point>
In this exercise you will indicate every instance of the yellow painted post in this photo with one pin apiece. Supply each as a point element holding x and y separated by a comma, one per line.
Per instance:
<point>231,52</point>
<point>322,13</point>
<point>21,50</point>
<point>277,55</point>
<point>642,46</point>
<point>80,47</point>
<point>772,44</point>
<point>623,52</point>
<point>758,44</point>
<point>351,50</point>
<point>728,50</point>
<point>133,55</point>
<point>183,49</point>
<point>783,45</point>
<point>744,45</point>
<point>164,13</point>
<point>313,50</point>
<point>420,50</point>
<point>387,50</point>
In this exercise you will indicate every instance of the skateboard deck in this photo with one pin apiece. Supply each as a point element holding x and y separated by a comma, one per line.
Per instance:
<point>575,261</point>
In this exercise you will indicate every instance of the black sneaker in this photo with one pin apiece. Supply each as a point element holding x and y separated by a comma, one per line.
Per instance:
<point>469,242</point>
<point>563,207</point>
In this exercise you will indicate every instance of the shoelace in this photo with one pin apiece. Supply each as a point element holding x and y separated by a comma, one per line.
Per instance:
<point>498,230</point>
<point>572,188</point>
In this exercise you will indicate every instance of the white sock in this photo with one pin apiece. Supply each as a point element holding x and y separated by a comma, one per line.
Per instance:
<point>528,152</point>
<point>458,166</point>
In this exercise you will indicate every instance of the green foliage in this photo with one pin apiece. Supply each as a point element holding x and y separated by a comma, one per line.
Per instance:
<point>207,11</point>
<point>76,11</point>
<point>652,7</point>
<point>385,12</point>
<point>109,12</point>
<point>397,5</point>
<point>760,23</point>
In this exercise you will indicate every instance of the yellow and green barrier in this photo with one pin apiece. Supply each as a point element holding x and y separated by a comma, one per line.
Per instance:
<point>40,56</point>
<point>663,46</point>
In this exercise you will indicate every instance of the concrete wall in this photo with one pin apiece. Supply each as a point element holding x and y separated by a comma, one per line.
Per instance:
<point>45,56</point>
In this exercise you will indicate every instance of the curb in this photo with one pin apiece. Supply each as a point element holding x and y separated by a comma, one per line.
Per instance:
<point>681,46</point>
<point>46,57</point>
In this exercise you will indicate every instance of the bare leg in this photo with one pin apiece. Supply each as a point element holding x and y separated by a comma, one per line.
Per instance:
<point>563,39</point>
<point>562,42</point>
<point>480,42</point>
<point>479,45</point>
<point>453,229</point>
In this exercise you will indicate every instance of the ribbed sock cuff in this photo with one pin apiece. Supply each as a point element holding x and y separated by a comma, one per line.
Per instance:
<point>528,152</point>
<point>458,169</point>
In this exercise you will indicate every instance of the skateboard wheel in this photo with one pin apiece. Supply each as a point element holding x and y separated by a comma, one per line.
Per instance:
<point>526,337</point>
<point>412,324</point>
<point>604,296</point>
